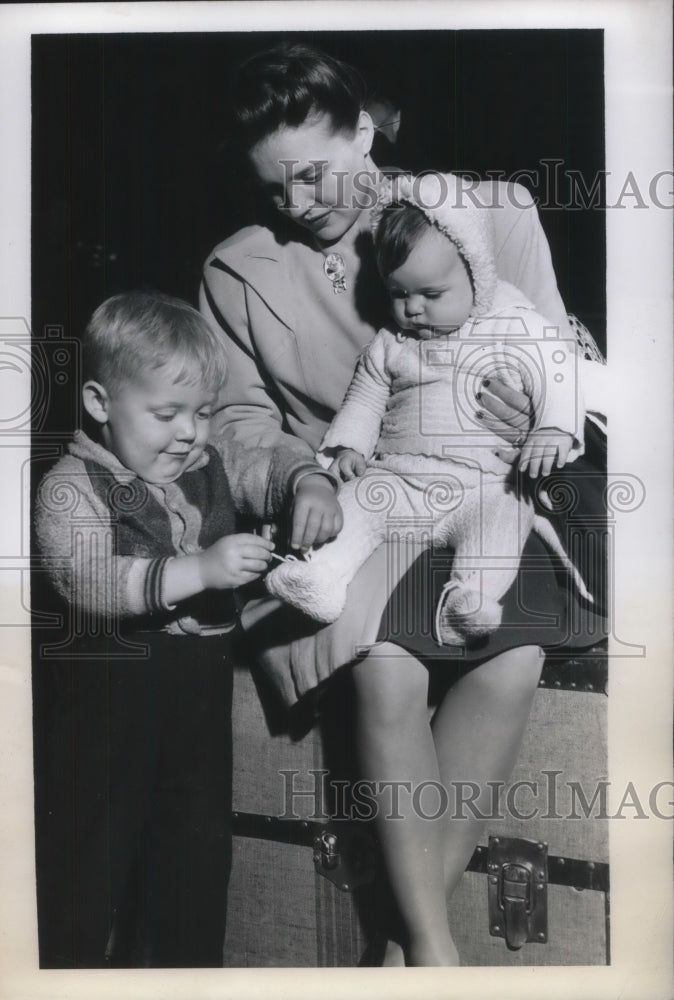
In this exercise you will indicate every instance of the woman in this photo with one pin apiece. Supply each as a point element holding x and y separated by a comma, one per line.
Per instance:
<point>296,306</point>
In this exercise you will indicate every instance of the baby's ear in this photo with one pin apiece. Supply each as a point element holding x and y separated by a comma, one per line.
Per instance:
<point>95,400</point>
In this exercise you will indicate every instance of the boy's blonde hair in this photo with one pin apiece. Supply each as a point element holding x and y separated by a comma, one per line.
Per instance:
<point>136,331</point>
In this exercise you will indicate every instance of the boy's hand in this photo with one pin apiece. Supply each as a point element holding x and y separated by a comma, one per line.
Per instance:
<point>234,560</point>
<point>544,448</point>
<point>349,464</point>
<point>316,516</point>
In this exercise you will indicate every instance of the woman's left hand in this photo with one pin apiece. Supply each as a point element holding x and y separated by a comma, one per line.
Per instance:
<point>507,412</point>
<point>504,410</point>
<point>316,516</point>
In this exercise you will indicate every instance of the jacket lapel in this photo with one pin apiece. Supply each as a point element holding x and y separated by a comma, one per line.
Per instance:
<point>260,262</point>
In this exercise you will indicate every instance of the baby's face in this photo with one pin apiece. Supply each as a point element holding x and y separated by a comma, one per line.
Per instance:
<point>158,427</point>
<point>431,293</point>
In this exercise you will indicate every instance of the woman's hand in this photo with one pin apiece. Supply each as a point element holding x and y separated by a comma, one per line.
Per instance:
<point>543,449</point>
<point>507,412</point>
<point>349,464</point>
<point>316,516</point>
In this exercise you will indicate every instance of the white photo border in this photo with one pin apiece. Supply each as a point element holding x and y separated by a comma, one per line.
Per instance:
<point>638,44</point>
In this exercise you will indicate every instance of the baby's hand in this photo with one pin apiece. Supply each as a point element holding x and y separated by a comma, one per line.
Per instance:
<point>316,516</point>
<point>234,560</point>
<point>349,464</point>
<point>543,449</point>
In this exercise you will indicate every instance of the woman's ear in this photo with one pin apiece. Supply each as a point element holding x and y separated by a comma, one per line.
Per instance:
<point>365,131</point>
<point>95,400</point>
<point>385,117</point>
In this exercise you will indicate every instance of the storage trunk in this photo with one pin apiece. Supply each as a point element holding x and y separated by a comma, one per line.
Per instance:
<point>293,855</point>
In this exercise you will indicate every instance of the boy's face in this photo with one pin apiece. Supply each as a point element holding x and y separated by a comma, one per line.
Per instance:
<point>158,427</point>
<point>431,293</point>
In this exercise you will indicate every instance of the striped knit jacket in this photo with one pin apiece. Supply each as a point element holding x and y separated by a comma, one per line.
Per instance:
<point>105,535</point>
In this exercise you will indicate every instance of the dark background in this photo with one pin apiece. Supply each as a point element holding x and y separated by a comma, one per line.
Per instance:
<point>134,182</point>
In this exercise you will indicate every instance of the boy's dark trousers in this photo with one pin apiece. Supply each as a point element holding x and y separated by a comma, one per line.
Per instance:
<point>133,802</point>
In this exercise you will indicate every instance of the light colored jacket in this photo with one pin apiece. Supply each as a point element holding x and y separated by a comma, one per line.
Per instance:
<point>273,395</point>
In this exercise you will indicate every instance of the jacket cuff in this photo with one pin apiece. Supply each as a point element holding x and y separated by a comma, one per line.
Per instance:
<point>352,428</point>
<point>154,586</point>
<point>312,470</point>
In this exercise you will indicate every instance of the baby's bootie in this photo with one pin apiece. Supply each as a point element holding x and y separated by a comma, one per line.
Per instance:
<point>464,613</point>
<point>309,586</point>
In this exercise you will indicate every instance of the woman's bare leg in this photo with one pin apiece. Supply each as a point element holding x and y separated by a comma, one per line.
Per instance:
<point>395,744</point>
<point>478,730</point>
<point>475,739</point>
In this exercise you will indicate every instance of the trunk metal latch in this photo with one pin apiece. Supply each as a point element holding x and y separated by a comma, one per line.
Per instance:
<point>518,890</point>
<point>345,856</point>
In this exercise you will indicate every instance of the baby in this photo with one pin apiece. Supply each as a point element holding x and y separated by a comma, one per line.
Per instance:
<point>408,440</point>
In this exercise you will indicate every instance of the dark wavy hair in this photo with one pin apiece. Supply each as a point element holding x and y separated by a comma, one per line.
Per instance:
<point>290,83</point>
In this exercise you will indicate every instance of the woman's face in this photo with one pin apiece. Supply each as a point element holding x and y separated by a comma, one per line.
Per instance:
<point>320,178</point>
